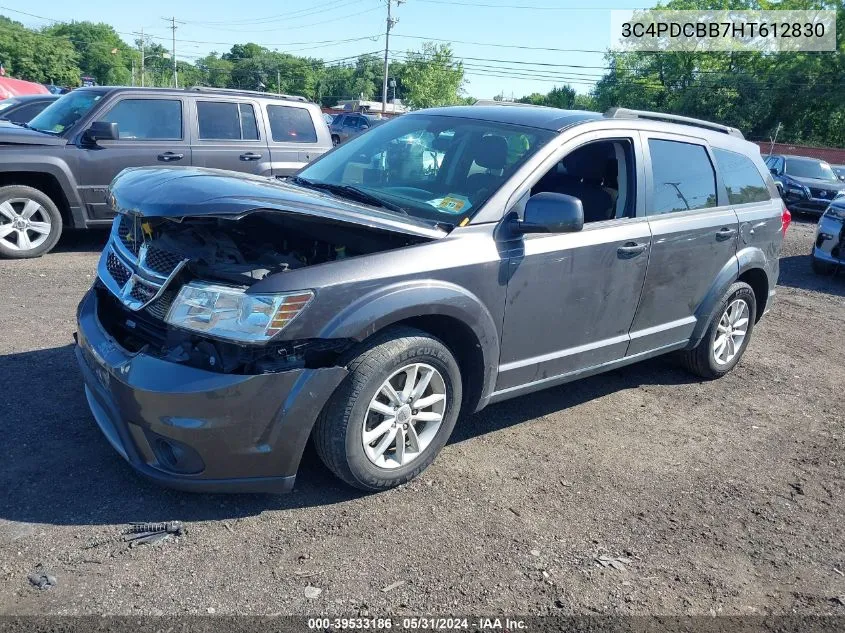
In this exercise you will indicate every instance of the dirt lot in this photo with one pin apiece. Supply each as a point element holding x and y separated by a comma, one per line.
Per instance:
<point>724,497</point>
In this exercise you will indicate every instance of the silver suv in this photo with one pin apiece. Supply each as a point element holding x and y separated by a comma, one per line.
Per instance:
<point>446,260</point>
<point>56,169</point>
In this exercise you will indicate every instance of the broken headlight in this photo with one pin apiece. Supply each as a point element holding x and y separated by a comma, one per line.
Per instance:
<point>230,313</point>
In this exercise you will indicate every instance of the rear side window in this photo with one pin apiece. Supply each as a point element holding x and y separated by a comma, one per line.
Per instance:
<point>226,121</point>
<point>742,180</point>
<point>683,177</point>
<point>291,125</point>
<point>147,119</point>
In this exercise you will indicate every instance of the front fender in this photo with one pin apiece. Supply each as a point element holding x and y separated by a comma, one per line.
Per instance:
<point>417,298</point>
<point>38,163</point>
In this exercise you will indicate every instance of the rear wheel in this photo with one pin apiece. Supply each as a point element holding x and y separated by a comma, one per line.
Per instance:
<point>30,223</point>
<point>393,413</point>
<point>727,336</point>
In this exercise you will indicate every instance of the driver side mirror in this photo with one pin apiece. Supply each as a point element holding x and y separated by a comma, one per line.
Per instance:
<point>550,212</point>
<point>774,171</point>
<point>102,131</point>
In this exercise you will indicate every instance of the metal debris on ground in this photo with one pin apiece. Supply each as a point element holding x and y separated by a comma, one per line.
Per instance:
<point>143,533</point>
<point>146,533</point>
<point>42,580</point>
<point>312,592</point>
<point>618,563</point>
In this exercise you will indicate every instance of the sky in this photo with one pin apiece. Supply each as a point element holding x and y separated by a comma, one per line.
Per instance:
<point>505,44</point>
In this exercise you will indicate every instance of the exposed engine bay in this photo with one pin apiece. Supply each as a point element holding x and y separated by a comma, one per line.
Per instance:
<point>247,250</point>
<point>150,259</point>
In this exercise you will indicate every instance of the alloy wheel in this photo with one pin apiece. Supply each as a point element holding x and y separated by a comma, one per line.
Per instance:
<point>24,224</point>
<point>404,416</point>
<point>731,332</point>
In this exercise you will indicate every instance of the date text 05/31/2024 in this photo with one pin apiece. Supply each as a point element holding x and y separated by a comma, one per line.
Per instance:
<point>417,623</point>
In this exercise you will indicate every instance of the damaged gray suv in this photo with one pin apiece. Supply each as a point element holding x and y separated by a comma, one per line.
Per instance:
<point>446,260</point>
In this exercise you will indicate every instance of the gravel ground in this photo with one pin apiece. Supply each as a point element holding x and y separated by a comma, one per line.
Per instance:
<point>718,497</point>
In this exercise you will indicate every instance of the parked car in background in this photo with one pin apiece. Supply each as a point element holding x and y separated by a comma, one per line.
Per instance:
<point>443,261</point>
<point>829,247</point>
<point>56,171</point>
<point>839,170</point>
<point>806,184</point>
<point>23,109</point>
<point>344,126</point>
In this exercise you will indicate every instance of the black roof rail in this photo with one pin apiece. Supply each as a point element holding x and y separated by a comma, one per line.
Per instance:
<point>249,93</point>
<point>625,113</point>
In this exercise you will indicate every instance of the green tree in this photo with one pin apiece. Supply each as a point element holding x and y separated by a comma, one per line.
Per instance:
<point>432,77</point>
<point>37,57</point>
<point>100,50</point>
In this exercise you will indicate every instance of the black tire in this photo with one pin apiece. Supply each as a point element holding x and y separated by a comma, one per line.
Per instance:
<point>821,267</point>
<point>701,360</point>
<point>338,431</point>
<point>48,211</point>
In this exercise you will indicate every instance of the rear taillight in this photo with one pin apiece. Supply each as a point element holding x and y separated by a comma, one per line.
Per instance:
<point>785,219</point>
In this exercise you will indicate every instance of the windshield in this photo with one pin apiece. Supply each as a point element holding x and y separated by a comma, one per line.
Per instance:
<point>433,167</point>
<point>65,111</point>
<point>809,169</point>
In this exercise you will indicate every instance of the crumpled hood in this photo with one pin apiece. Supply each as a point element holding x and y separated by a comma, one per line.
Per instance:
<point>19,135</point>
<point>176,192</point>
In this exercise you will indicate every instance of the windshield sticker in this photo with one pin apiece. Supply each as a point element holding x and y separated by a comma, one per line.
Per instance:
<point>452,204</point>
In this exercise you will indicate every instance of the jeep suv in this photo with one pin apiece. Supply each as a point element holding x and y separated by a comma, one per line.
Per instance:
<point>446,260</point>
<point>55,170</point>
<point>807,185</point>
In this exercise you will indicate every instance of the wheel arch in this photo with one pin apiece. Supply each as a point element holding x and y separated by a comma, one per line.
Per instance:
<point>446,311</point>
<point>48,183</point>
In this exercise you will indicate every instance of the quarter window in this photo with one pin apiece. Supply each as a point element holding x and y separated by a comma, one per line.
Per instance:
<point>742,180</point>
<point>683,177</point>
<point>291,125</point>
<point>226,121</point>
<point>147,119</point>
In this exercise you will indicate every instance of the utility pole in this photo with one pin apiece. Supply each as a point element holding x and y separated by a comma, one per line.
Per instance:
<point>774,139</point>
<point>142,56</point>
<point>278,81</point>
<point>390,23</point>
<point>173,21</point>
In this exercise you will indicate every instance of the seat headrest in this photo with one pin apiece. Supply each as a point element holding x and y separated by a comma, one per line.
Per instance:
<point>491,152</point>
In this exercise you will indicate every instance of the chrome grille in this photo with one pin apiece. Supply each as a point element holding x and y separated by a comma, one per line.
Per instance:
<point>142,292</point>
<point>160,306</point>
<point>159,260</point>
<point>117,270</point>
<point>130,233</point>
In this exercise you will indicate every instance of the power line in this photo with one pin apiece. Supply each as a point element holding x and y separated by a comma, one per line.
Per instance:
<point>523,7</point>
<point>330,6</point>
<point>296,26</point>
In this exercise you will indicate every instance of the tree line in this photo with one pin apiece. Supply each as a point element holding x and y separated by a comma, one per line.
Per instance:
<point>755,92</point>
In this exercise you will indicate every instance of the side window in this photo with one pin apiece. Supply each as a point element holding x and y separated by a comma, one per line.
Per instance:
<point>147,119</point>
<point>683,177</point>
<point>601,175</point>
<point>742,180</point>
<point>290,124</point>
<point>27,112</point>
<point>219,120</point>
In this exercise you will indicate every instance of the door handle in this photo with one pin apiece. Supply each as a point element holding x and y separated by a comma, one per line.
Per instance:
<point>630,249</point>
<point>250,156</point>
<point>170,156</point>
<point>725,234</point>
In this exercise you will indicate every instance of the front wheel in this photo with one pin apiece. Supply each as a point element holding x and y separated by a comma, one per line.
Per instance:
<point>727,336</point>
<point>393,413</point>
<point>30,222</point>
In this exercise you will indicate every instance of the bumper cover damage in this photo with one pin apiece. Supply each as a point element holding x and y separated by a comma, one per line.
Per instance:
<point>197,430</point>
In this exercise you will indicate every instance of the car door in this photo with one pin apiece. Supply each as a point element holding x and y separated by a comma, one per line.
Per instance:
<point>228,134</point>
<point>292,137</point>
<point>351,126</point>
<point>571,297</point>
<point>694,231</point>
<point>152,131</point>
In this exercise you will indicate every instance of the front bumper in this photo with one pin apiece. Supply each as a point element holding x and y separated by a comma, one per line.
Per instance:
<point>829,245</point>
<point>197,430</point>
<point>812,206</point>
